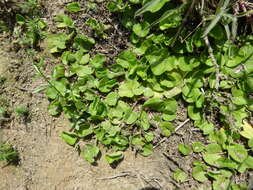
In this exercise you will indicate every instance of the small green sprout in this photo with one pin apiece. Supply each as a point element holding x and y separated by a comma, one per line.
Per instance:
<point>8,153</point>
<point>22,111</point>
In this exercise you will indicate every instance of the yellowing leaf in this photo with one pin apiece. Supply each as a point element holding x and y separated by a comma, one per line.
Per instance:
<point>247,131</point>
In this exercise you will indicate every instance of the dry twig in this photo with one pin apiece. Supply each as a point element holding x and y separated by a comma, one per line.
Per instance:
<point>181,125</point>
<point>123,174</point>
<point>217,69</point>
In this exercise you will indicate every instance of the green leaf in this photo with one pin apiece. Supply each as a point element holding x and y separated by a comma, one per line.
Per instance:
<point>164,65</point>
<point>173,92</point>
<point>211,158</point>
<point>97,108</point>
<point>247,164</point>
<point>135,1</point>
<point>98,27</point>
<point>111,158</point>
<point>56,42</point>
<point>67,58</point>
<point>111,99</point>
<point>109,128</point>
<point>155,55</point>
<point>247,131</point>
<point>219,137</point>
<point>197,147</point>
<point>221,184</point>
<point>58,89</point>
<point>237,152</point>
<point>250,143</point>
<point>127,59</point>
<point>145,125</point>
<point>207,128</point>
<point>116,6</point>
<point>84,131</point>
<point>193,112</point>
<point>51,93</point>
<point>226,163</point>
<point>81,70</point>
<point>130,89</point>
<point>183,64</point>
<point>147,149</point>
<point>179,175</point>
<point>169,117</point>
<point>171,18</point>
<point>168,106</point>
<point>64,21</point>
<point>54,108</point>
<point>184,149</point>
<point>105,84</point>
<point>167,128</point>
<point>83,42</point>
<point>154,103</point>
<point>172,21</point>
<point>120,143</point>
<point>59,71</point>
<point>221,173</point>
<point>20,19</point>
<point>73,7</point>
<point>69,138</point>
<point>249,82</point>
<point>90,153</point>
<point>199,174</point>
<point>137,140</point>
<point>131,117</point>
<point>151,6</point>
<point>239,100</point>
<point>149,137</point>
<point>143,47</point>
<point>84,59</point>
<point>141,29</point>
<point>98,60</point>
<point>213,148</point>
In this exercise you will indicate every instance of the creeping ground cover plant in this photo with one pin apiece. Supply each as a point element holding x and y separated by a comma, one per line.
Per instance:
<point>116,105</point>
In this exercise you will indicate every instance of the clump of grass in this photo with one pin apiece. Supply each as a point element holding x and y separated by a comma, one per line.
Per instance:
<point>2,79</point>
<point>3,112</point>
<point>8,153</point>
<point>22,111</point>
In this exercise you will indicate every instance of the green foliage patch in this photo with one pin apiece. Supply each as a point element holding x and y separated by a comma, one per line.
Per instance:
<point>122,104</point>
<point>8,154</point>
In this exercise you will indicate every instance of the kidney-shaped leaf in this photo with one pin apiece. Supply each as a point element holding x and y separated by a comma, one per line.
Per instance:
<point>141,29</point>
<point>90,153</point>
<point>199,174</point>
<point>151,6</point>
<point>69,138</point>
<point>130,89</point>
<point>110,158</point>
<point>237,152</point>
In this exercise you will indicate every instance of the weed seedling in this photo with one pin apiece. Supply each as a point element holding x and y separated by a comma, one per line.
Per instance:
<point>2,80</point>
<point>8,153</point>
<point>22,111</point>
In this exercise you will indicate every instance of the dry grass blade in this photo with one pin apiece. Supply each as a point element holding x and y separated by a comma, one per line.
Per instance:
<point>219,14</point>
<point>183,22</point>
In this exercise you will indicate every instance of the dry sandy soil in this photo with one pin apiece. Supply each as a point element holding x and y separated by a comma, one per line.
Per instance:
<point>47,163</point>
